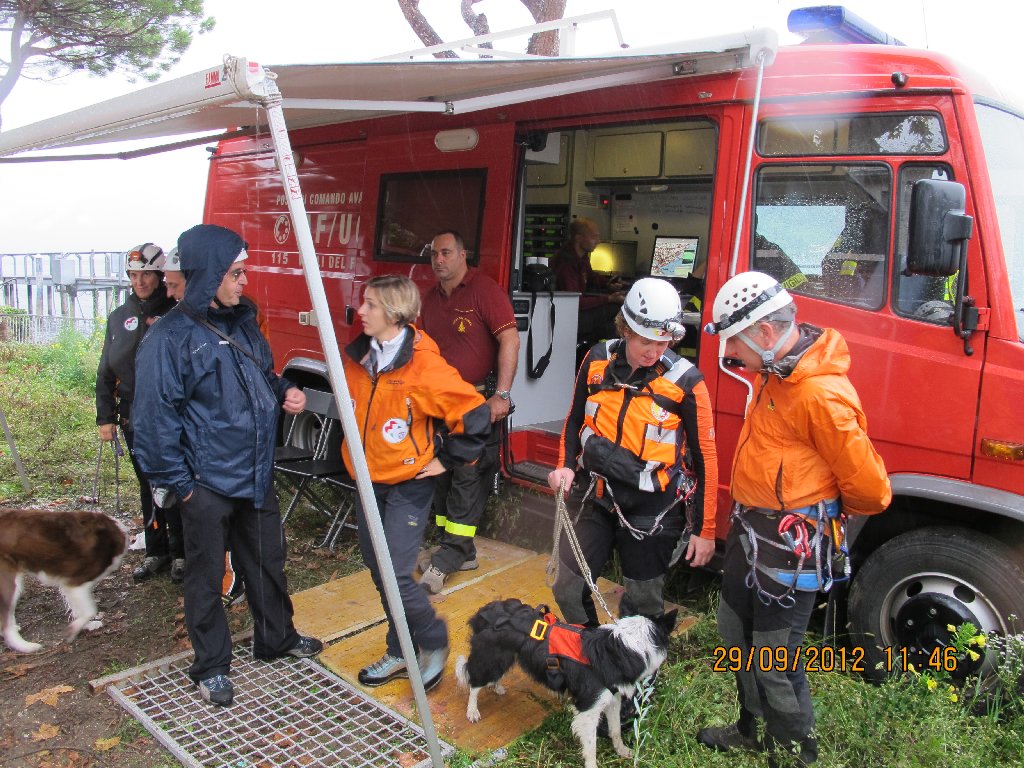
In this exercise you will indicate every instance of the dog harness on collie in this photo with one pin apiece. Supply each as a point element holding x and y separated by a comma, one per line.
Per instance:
<point>565,641</point>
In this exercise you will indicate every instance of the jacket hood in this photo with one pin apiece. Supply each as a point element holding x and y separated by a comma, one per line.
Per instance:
<point>206,252</point>
<point>828,355</point>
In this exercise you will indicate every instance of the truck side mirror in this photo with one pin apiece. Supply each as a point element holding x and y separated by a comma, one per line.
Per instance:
<point>939,228</point>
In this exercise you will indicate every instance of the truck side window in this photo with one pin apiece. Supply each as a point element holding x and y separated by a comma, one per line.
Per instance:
<point>922,297</point>
<point>823,230</point>
<point>414,206</point>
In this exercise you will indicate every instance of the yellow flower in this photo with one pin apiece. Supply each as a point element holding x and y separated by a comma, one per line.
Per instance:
<point>953,697</point>
<point>932,685</point>
<point>974,656</point>
<point>951,628</point>
<point>979,640</point>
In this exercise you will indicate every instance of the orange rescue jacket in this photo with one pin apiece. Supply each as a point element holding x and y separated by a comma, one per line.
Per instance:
<point>805,438</point>
<point>400,409</point>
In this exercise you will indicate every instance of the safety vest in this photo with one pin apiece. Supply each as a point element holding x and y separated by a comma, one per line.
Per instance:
<point>633,432</point>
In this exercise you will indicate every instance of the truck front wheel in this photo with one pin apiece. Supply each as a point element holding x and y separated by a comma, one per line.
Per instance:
<point>908,592</point>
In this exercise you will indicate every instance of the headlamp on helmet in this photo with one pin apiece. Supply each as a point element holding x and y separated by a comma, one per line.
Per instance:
<point>652,309</point>
<point>144,258</point>
<point>741,302</point>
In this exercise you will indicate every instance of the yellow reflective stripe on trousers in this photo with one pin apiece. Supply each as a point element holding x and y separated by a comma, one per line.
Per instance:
<point>458,529</point>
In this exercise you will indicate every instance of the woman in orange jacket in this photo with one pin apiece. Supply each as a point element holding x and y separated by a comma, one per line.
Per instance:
<point>641,429</point>
<point>402,392</point>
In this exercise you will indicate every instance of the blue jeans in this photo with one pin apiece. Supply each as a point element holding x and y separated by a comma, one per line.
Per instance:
<point>404,511</point>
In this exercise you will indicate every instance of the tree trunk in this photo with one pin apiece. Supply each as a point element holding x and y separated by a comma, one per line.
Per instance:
<point>545,43</point>
<point>422,28</point>
<point>476,22</point>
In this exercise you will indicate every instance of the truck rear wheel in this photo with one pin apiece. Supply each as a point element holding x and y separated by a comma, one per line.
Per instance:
<point>913,587</point>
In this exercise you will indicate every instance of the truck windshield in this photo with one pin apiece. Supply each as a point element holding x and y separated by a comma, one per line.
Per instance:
<point>1002,134</point>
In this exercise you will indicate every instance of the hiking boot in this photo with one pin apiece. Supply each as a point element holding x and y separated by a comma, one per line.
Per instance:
<point>217,690</point>
<point>726,738</point>
<point>307,647</point>
<point>178,570</point>
<point>469,565</point>
<point>386,669</point>
<point>150,567</point>
<point>433,579</point>
<point>432,666</point>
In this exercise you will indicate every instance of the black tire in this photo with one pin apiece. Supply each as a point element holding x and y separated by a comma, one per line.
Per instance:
<point>911,588</point>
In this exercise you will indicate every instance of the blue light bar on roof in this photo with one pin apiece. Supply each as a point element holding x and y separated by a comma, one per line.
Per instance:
<point>835,24</point>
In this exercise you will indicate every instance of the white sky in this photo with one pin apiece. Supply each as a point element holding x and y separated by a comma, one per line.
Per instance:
<point>113,205</point>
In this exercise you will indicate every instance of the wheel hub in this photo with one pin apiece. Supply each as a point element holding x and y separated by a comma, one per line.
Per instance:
<point>922,624</point>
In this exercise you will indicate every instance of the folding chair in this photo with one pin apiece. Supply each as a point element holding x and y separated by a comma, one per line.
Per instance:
<point>322,466</point>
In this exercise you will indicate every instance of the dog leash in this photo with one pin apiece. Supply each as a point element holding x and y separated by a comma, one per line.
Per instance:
<point>564,524</point>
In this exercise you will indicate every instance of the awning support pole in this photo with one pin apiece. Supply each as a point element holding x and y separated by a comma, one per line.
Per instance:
<point>267,94</point>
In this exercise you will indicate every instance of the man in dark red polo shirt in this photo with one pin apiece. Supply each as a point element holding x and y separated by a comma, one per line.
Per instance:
<point>471,319</point>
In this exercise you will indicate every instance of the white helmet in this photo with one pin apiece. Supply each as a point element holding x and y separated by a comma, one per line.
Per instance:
<point>144,258</point>
<point>652,310</point>
<point>172,262</point>
<point>742,301</point>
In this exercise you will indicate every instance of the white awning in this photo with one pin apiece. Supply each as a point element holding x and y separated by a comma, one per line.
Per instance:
<point>212,101</point>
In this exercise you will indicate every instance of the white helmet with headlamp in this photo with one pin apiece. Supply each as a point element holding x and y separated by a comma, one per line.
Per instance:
<point>144,258</point>
<point>652,309</point>
<point>741,302</point>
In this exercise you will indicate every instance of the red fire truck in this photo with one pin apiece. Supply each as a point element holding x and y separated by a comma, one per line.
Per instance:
<point>880,184</point>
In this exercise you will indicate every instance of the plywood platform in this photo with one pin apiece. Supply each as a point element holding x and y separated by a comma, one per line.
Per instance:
<point>348,611</point>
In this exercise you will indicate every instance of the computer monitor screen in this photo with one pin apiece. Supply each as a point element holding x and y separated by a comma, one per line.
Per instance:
<point>615,256</point>
<point>673,256</point>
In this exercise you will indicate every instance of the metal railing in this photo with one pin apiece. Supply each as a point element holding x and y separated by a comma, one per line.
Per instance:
<point>42,329</point>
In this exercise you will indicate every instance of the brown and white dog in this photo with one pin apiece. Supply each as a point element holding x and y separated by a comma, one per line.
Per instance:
<point>596,666</point>
<point>71,550</point>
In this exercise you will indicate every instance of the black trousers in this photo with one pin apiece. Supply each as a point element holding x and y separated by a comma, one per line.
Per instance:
<point>163,531</point>
<point>645,563</point>
<point>781,697</point>
<point>460,496</point>
<point>213,523</point>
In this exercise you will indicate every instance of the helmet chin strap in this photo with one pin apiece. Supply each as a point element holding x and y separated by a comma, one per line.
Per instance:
<point>768,355</point>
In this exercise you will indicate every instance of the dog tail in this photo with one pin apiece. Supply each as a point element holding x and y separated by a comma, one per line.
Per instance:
<point>462,673</point>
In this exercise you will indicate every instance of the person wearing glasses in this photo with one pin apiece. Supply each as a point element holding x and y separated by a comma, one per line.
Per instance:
<point>115,391</point>
<point>205,378</point>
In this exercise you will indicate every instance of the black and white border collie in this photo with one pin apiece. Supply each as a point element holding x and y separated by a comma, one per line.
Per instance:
<point>610,661</point>
<point>71,550</point>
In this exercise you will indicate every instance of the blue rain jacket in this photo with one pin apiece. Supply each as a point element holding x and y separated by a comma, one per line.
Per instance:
<point>210,412</point>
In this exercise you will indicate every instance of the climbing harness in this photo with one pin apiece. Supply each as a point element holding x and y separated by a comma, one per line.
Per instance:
<point>598,481</point>
<point>814,533</point>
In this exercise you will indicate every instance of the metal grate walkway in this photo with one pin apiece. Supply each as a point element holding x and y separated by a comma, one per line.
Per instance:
<point>286,713</point>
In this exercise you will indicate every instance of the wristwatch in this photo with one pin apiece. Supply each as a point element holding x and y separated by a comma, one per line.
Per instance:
<point>504,394</point>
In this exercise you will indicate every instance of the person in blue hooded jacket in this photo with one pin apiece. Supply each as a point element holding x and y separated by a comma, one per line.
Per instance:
<point>205,380</point>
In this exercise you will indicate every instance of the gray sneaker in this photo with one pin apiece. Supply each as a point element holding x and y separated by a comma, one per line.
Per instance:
<point>726,738</point>
<point>432,666</point>
<point>433,579</point>
<point>386,669</point>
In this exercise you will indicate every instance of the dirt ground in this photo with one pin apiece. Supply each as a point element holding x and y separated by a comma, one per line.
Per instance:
<point>49,717</point>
